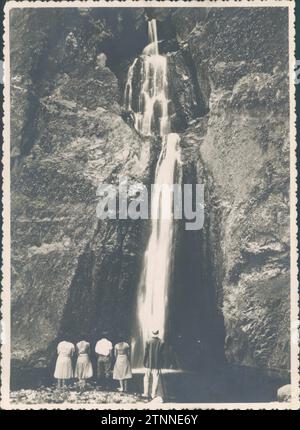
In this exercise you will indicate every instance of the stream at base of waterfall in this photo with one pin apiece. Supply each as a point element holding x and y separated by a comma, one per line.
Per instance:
<point>149,105</point>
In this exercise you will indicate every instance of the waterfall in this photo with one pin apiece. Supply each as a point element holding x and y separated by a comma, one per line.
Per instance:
<point>151,118</point>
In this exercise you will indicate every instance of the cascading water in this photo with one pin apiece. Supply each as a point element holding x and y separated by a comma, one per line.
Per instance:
<point>151,117</point>
<point>152,113</point>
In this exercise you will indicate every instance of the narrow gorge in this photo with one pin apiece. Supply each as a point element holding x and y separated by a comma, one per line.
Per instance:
<point>93,101</point>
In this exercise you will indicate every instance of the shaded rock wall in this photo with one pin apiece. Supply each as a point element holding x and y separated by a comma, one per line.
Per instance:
<point>242,153</point>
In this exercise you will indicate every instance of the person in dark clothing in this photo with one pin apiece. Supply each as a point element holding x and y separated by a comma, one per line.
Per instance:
<point>152,363</point>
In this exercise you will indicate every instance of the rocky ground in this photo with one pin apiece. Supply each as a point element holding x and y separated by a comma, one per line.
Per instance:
<point>72,394</point>
<point>221,385</point>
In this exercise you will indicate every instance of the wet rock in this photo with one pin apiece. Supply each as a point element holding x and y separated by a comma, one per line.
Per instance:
<point>165,46</point>
<point>184,90</point>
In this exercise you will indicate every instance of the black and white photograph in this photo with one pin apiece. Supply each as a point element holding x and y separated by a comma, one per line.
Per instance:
<point>149,206</point>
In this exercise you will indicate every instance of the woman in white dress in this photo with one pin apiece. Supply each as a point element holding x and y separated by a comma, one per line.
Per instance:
<point>63,369</point>
<point>122,369</point>
<point>83,369</point>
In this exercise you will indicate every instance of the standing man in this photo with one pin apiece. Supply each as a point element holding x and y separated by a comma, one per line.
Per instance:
<point>104,361</point>
<point>152,363</point>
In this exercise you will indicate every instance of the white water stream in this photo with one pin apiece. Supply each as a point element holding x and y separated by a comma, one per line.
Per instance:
<point>152,116</point>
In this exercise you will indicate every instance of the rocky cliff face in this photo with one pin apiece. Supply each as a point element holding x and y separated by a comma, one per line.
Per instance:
<point>73,274</point>
<point>241,149</point>
<point>68,137</point>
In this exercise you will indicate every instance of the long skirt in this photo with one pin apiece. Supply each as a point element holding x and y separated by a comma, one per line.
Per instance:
<point>63,368</point>
<point>83,369</point>
<point>122,369</point>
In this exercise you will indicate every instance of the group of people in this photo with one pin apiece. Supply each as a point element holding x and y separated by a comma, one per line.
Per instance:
<point>115,361</point>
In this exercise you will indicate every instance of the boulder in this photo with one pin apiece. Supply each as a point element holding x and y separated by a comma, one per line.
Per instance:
<point>284,394</point>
